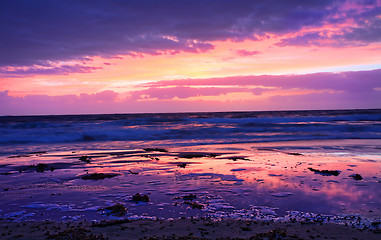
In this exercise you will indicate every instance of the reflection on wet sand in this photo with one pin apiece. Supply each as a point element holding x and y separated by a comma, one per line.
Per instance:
<point>269,180</point>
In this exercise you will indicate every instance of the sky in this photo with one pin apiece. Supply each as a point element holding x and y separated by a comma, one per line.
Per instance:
<point>134,56</point>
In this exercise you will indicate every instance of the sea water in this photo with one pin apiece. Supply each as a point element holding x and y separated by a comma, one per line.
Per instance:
<point>246,165</point>
<point>191,128</point>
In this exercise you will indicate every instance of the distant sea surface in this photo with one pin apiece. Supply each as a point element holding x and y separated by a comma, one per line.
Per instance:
<point>192,128</point>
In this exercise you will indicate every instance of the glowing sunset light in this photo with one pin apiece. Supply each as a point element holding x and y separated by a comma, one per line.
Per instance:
<point>146,56</point>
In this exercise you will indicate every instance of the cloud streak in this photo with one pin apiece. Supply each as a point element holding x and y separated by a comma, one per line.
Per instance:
<point>183,92</point>
<point>360,81</point>
<point>46,70</point>
<point>310,91</point>
<point>38,31</point>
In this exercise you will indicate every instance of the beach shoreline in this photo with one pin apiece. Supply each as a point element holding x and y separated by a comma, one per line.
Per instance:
<point>339,177</point>
<point>192,228</point>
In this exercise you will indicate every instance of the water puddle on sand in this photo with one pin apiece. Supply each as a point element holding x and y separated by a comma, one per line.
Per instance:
<point>258,181</point>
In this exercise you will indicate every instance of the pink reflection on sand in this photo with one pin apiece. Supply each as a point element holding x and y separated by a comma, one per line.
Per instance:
<point>238,176</point>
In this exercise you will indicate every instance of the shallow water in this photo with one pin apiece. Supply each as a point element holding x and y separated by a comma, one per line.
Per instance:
<point>190,128</point>
<point>255,180</point>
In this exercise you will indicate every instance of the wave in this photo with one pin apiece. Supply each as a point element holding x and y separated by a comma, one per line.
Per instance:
<point>210,127</point>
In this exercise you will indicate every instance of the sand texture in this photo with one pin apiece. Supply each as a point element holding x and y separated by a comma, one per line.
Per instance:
<point>180,229</point>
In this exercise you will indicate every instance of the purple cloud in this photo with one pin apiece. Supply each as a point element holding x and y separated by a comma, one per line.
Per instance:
<point>46,70</point>
<point>369,32</point>
<point>34,32</point>
<point>360,81</point>
<point>102,102</point>
<point>183,92</point>
<point>105,96</point>
<point>96,103</point>
<point>327,100</point>
<point>365,27</point>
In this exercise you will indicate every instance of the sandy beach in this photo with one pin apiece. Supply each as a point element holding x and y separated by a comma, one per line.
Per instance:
<point>181,229</point>
<point>300,189</point>
<point>217,119</point>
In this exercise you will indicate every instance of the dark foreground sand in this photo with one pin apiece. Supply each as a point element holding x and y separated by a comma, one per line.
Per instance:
<point>180,229</point>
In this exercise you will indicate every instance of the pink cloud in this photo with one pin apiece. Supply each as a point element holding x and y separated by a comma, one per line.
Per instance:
<point>346,90</point>
<point>343,81</point>
<point>183,92</point>
<point>105,96</point>
<point>245,53</point>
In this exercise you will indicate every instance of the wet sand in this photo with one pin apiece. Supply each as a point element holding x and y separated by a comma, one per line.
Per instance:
<point>287,187</point>
<point>181,229</point>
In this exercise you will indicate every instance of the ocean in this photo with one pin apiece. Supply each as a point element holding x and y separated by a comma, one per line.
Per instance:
<point>192,128</point>
<point>280,165</point>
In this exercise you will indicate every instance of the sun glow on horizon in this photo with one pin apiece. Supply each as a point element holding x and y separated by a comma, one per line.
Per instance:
<point>271,54</point>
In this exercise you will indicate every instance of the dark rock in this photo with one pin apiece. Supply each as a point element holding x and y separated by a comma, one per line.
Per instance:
<point>182,165</point>
<point>356,177</point>
<point>85,159</point>
<point>155,150</point>
<point>375,223</point>
<point>238,158</point>
<point>325,172</point>
<point>38,152</point>
<point>41,167</point>
<point>19,156</point>
<point>295,154</point>
<point>135,173</point>
<point>190,197</point>
<point>212,155</point>
<point>195,205</point>
<point>140,198</point>
<point>98,176</point>
<point>117,209</point>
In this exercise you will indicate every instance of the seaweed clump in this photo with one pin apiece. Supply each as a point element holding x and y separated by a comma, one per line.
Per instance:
<point>235,158</point>
<point>325,172</point>
<point>155,150</point>
<point>294,154</point>
<point>98,176</point>
<point>85,158</point>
